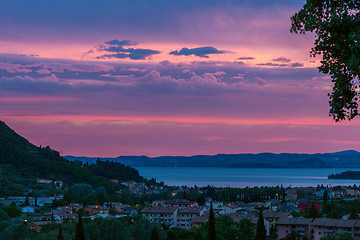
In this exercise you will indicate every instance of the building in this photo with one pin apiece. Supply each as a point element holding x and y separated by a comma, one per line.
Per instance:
<point>28,209</point>
<point>94,209</point>
<point>317,228</point>
<point>187,214</point>
<point>161,214</point>
<point>322,227</point>
<point>300,225</point>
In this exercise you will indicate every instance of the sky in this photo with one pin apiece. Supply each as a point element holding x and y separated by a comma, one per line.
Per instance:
<point>153,77</point>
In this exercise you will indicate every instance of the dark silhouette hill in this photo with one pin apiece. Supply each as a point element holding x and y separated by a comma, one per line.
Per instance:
<point>18,155</point>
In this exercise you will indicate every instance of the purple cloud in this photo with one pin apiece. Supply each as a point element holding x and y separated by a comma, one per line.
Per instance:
<point>297,64</point>
<point>246,58</point>
<point>117,48</point>
<point>272,64</point>
<point>282,59</point>
<point>200,51</point>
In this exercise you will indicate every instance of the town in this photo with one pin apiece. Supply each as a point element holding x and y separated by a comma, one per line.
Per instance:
<point>287,213</point>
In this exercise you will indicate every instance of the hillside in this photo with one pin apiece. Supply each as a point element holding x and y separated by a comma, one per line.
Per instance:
<point>345,159</point>
<point>18,155</point>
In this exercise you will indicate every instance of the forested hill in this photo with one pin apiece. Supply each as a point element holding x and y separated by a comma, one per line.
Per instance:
<point>18,155</point>
<point>345,159</point>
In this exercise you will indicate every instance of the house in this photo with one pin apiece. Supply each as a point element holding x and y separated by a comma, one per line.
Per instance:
<point>94,209</point>
<point>304,204</point>
<point>247,211</point>
<point>36,226</point>
<point>178,203</point>
<point>215,204</point>
<point>187,214</point>
<point>200,220</point>
<point>28,209</point>
<point>230,207</point>
<point>300,225</point>
<point>161,214</point>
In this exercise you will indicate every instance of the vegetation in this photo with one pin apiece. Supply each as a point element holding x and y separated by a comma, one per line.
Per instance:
<point>337,28</point>
<point>260,228</point>
<point>22,162</point>
<point>211,226</point>
<point>79,233</point>
<point>345,175</point>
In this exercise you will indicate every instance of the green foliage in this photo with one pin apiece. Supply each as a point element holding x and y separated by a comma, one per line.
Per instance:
<point>115,170</point>
<point>292,236</point>
<point>341,236</point>
<point>79,231</point>
<point>6,234</point>
<point>226,228</point>
<point>84,190</point>
<point>337,28</point>
<point>114,229</point>
<point>60,235</point>
<point>21,232</point>
<point>325,197</point>
<point>346,175</point>
<point>154,234</point>
<point>211,227</point>
<point>146,230</point>
<point>92,231</point>
<point>260,228</point>
<point>312,211</point>
<point>12,210</point>
<point>20,159</point>
<point>246,229</point>
<point>3,215</point>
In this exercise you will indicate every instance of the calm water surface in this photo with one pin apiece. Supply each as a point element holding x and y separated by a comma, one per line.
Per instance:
<point>243,177</point>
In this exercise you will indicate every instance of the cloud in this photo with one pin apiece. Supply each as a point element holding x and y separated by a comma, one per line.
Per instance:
<point>245,58</point>
<point>282,59</point>
<point>272,64</point>
<point>121,43</point>
<point>297,64</point>
<point>117,48</point>
<point>200,51</point>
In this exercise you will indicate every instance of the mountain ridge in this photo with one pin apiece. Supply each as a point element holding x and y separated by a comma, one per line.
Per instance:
<point>342,159</point>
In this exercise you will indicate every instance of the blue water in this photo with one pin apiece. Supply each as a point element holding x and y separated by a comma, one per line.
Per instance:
<point>245,177</point>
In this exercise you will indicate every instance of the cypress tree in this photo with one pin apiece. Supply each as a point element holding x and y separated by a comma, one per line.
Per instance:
<point>154,234</point>
<point>211,230</point>
<point>325,197</point>
<point>260,228</point>
<point>79,231</point>
<point>60,235</point>
<point>197,235</point>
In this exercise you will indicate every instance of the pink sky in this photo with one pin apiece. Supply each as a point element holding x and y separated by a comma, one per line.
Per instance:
<point>116,78</point>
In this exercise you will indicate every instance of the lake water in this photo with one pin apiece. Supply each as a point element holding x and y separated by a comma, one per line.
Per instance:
<point>243,177</point>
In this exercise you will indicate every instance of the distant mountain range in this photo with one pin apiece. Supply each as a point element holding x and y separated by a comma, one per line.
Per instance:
<point>344,159</point>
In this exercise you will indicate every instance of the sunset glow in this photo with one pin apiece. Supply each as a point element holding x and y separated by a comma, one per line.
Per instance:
<point>165,78</point>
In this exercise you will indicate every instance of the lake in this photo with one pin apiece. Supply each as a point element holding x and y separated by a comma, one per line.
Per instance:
<point>245,177</point>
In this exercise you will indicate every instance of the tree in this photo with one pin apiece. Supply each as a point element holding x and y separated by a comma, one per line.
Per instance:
<point>114,229</point>
<point>325,197</point>
<point>211,229</point>
<point>154,234</point>
<point>60,235</point>
<point>260,228</point>
<point>340,236</point>
<point>246,229</point>
<point>79,231</point>
<point>336,25</point>
<point>312,211</point>
<point>197,235</point>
